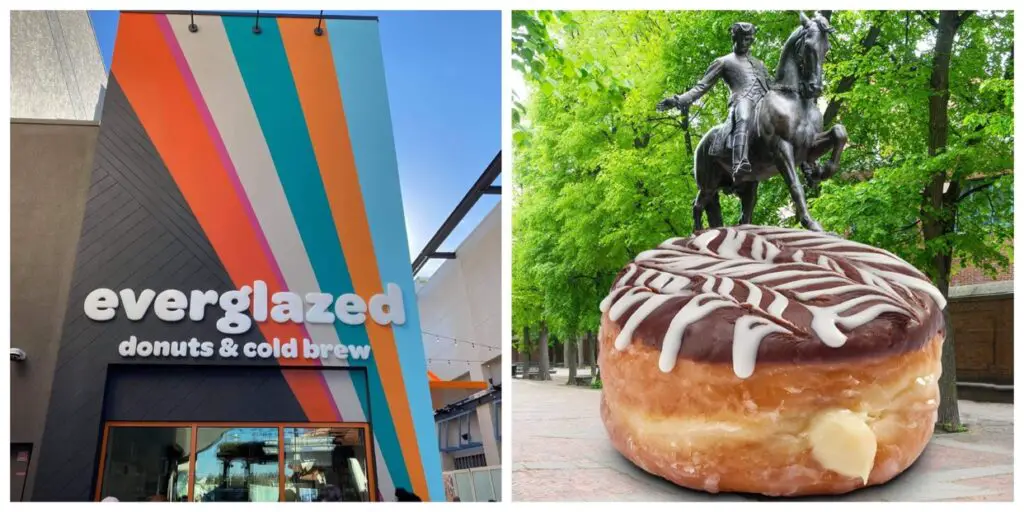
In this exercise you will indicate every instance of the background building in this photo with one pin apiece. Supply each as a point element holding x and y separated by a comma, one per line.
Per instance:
<point>57,86</point>
<point>981,307</point>
<point>460,314</point>
<point>57,71</point>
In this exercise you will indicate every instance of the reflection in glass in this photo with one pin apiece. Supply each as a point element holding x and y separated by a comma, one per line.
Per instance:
<point>325,464</point>
<point>236,464</point>
<point>147,464</point>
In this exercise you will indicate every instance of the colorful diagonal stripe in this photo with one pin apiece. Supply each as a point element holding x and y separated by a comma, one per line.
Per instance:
<point>281,144</point>
<point>149,74</point>
<point>355,46</point>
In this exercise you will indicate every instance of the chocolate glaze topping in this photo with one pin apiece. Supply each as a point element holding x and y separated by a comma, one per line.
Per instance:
<point>750,294</point>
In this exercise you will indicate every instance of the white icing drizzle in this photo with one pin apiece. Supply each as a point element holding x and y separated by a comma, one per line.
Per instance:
<point>778,305</point>
<point>877,278</point>
<point>630,270</point>
<point>650,304</point>
<point>750,330</point>
<point>754,296</point>
<point>659,282</point>
<point>697,308</point>
<point>634,296</point>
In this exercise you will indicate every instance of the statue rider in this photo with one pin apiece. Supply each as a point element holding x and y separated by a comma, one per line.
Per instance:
<point>747,79</point>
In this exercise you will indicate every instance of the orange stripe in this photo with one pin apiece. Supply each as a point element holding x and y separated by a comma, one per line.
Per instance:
<point>145,68</point>
<point>317,84</point>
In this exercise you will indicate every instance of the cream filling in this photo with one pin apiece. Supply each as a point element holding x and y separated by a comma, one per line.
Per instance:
<point>842,441</point>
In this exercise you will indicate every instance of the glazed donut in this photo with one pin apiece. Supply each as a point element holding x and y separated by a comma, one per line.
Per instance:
<point>773,361</point>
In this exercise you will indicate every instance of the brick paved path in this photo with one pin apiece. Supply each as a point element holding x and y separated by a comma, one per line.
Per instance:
<point>560,452</point>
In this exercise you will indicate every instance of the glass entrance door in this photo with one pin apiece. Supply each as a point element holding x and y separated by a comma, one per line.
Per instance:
<point>236,462</point>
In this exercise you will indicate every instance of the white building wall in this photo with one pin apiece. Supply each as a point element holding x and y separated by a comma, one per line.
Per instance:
<point>462,300</point>
<point>57,71</point>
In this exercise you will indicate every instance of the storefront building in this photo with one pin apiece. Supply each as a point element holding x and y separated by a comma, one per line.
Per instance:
<point>241,322</point>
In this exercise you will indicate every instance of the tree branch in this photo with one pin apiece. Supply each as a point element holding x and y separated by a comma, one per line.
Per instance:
<point>963,17</point>
<point>912,224</point>
<point>847,82</point>
<point>931,21</point>
<point>672,226</point>
<point>979,188</point>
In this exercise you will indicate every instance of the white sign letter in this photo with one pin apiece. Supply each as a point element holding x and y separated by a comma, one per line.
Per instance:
<point>350,309</point>
<point>387,307</point>
<point>101,304</point>
<point>135,308</point>
<point>170,305</point>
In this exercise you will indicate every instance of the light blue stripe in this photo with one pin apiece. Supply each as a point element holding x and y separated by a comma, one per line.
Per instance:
<point>360,67</point>
<point>268,78</point>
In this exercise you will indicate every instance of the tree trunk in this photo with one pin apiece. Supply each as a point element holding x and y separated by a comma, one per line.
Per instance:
<point>565,354</point>
<point>570,359</point>
<point>593,354</point>
<point>545,353</point>
<point>581,352</point>
<point>939,207</point>
<point>526,346</point>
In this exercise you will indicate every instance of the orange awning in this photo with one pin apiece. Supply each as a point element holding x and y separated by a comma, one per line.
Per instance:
<point>445,392</point>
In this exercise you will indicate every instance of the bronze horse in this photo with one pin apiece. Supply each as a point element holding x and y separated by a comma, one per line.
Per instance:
<point>786,132</point>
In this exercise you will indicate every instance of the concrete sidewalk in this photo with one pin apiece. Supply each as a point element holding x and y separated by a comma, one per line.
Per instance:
<point>560,452</point>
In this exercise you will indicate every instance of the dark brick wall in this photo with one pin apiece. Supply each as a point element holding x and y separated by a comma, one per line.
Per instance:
<point>983,328</point>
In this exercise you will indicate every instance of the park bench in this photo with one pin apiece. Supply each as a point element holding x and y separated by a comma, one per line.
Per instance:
<point>527,370</point>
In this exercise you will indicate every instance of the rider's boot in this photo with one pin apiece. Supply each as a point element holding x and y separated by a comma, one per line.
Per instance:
<point>741,170</point>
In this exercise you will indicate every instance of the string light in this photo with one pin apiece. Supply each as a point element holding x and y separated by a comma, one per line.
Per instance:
<point>455,341</point>
<point>450,361</point>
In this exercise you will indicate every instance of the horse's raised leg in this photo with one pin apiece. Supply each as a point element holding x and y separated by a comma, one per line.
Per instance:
<point>787,168</point>
<point>748,198</point>
<point>833,140</point>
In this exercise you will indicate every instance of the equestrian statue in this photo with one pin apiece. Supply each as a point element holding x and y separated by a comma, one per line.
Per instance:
<point>774,126</point>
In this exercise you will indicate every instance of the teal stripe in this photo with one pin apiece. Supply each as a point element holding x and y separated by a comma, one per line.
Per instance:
<point>360,67</point>
<point>268,79</point>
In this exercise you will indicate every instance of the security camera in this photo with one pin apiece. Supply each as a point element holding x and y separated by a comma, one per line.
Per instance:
<point>18,354</point>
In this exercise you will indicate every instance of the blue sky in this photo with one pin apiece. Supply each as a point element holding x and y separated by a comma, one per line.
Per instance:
<point>444,86</point>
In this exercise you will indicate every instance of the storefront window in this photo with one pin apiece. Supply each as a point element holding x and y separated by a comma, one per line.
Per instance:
<point>252,463</point>
<point>325,464</point>
<point>236,464</point>
<point>147,463</point>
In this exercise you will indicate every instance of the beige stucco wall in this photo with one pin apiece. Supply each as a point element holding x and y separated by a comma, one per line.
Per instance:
<point>50,174</point>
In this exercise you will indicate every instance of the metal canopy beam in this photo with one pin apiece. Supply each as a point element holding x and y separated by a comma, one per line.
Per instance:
<point>482,186</point>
